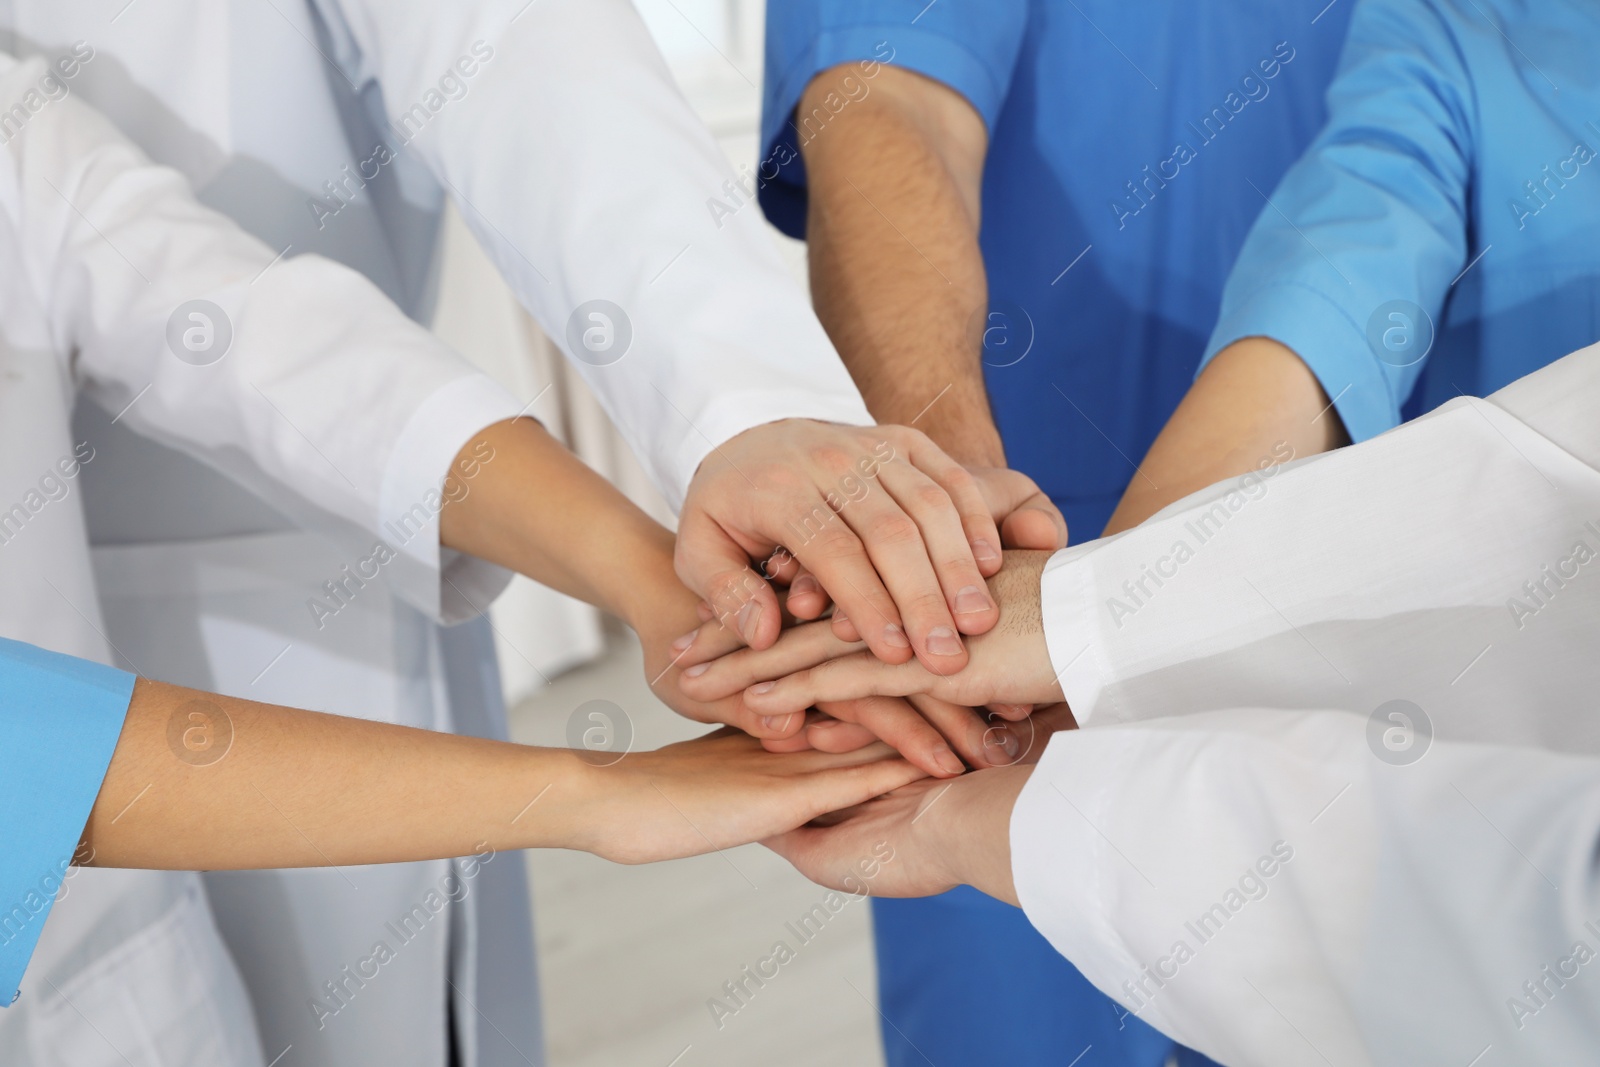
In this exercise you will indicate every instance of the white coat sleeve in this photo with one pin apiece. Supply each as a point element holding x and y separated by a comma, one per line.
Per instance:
<point>1337,797</point>
<point>558,131</point>
<point>298,378</point>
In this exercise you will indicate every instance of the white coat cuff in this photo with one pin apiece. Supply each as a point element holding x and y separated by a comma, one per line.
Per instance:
<point>1072,628</point>
<point>446,585</point>
<point>731,414</point>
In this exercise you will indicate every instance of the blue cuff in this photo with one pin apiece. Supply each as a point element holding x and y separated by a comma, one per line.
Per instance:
<point>60,718</point>
<point>1329,342</point>
<point>782,175</point>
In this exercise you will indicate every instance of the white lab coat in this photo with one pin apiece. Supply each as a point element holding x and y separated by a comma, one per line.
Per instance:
<point>327,401</point>
<point>1248,843</point>
<point>557,131</point>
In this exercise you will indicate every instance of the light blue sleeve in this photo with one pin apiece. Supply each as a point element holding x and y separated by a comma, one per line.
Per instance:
<point>969,45</point>
<point>1370,224</point>
<point>60,718</point>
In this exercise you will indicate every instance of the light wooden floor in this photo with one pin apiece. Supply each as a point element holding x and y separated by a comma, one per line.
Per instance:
<point>629,956</point>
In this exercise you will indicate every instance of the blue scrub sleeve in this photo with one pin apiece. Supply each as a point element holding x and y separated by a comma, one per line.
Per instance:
<point>60,718</point>
<point>1353,255</point>
<point>969,45</point>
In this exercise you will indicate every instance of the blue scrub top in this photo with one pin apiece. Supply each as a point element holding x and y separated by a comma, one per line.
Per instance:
<point>1442,235</point>
<point>1131,147</point>
<point>60,718</point>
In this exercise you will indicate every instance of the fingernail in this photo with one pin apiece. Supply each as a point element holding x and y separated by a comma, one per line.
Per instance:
<point>895,637</point>
<point>804,586</point>
<point>984,552</point>
<point>838,614</point>
<point>777,723</point>
<point>942,641</point>
<point>682,644</point>
<point>971,600</point>
<point>826,724</point>
<point>763,687</point>
<point>697,670</point>
<point>749,619</point>
<point>948,762</point>
<point>1009,742</point>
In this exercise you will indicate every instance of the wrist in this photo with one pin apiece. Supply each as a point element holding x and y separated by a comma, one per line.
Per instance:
<point>650,598</point>
<point>974,838</point>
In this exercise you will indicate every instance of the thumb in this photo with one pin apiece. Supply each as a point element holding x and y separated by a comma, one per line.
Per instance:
<point>714,566</point>
<point>1036,524</point>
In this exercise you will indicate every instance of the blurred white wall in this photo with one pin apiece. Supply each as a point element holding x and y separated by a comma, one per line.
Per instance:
<point>714,50</point>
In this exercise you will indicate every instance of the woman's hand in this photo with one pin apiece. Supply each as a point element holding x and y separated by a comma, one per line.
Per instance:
<point>723,790</point>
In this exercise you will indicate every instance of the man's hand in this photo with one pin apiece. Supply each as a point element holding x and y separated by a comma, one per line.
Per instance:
<point>897,533</point>
<point>811,664</point>
<point>927,837</point>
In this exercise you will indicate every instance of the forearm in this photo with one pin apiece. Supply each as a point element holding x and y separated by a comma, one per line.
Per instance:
<point>1254,406</point>
<point>897,276</point>
<point>535,508</point>
<point>201,781</point>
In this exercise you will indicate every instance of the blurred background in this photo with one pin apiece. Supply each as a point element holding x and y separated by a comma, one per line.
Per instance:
<point>631,958</point>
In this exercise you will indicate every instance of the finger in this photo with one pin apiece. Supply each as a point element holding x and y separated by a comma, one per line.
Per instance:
<point>968,733</point>
<point>976,516</point>
<point>948,545</point>
<point>733,713</point>
<point>780,567</point>
<point>841,562</point>
<point>838,786</point>
<point>898,725</point>
<point>1028,518</point>
<point>843,628</point>
<point>807,599</point>
<point>1012,712</point>
<point>894,543</point>
<point>1037,525</point>
<point>832,735</point>
<point>849,677</point>
<point>705,644</point>
<point>713,565</point>
<point>801,647</point>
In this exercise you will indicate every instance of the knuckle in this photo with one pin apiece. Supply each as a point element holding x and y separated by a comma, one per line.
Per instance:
<point>933,497</point>
<point>833,459</point>
<point>837,542</point>
<point>895,531</point>
<point>925,604</point>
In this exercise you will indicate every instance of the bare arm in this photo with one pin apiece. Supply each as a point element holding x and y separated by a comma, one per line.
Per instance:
<point>1255,405</point>
<point>280,787</point>
<point>896,272</point>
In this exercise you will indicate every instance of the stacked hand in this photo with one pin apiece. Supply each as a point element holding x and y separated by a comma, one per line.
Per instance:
<point>928,716</point>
